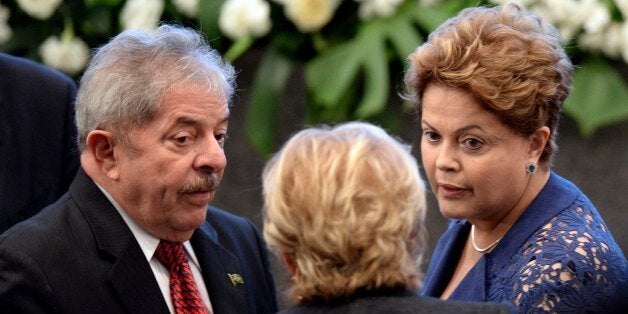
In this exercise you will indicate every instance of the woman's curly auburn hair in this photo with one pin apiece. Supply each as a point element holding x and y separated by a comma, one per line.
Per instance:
<point>347,204</point>
<point>509,59</point>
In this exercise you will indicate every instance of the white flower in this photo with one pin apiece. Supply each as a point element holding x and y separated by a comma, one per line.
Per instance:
<point>240,18</point>
<point>189,8</point>
<point>5,28</point>
<point>596,16</point>
<point>309,15</point>
<point>572,16</point>
<point>595,42</point>
<point>609,41</point>
<point>39,9</point>
<point>613,41</point>
<point>587,20</point>
<point>141,14</point>
<point>69,55</point>
<point>381,8</point>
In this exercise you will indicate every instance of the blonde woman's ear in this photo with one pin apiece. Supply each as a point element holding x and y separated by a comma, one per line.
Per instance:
<point>289,262</point>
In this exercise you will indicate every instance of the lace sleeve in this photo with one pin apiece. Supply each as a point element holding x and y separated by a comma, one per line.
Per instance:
<point>566,266</point>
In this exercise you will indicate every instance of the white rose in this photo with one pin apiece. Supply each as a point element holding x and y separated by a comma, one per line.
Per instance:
<point>381,8</point>
<point>68,55</point>
<point>591,41</point>
<point>596,16</point>
<point>39,9</point>
<point>189,8</point>
<point>141,14</point>
<point>309,15</point>
<point>609,41</point>
<point>240,18</point>
<point>5,29</point>
<point>613,41</point>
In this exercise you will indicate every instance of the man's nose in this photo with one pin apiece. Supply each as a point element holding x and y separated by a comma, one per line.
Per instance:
<point>211,157</point>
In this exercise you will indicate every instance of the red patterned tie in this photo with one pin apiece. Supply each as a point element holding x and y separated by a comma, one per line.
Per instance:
<point>185,295</point>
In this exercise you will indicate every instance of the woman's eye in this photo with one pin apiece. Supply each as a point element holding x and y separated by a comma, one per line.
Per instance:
<point>431,136</point>
<point>472,143</point>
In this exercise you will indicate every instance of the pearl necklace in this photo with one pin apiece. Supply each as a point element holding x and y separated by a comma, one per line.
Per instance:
<point>479,249</point>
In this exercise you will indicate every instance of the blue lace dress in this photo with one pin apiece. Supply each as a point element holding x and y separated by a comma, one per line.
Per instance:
<point>559,257</point>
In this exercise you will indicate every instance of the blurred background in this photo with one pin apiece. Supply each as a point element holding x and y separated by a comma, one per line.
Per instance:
<point>306,62</point>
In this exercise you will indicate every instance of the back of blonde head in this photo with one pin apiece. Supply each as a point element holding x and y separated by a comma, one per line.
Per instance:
<point>346,204</point>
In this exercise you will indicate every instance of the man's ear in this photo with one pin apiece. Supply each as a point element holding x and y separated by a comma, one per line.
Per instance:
<point>538,140</point>
<point>101,145</point>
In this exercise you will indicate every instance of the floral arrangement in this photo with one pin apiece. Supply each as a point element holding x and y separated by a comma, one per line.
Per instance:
<point>352,52</point>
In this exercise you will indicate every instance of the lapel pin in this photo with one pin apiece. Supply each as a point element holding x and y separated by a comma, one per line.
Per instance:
<point>236,279</point>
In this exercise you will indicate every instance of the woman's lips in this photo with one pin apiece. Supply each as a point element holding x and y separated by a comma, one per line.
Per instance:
<point>450,191</point>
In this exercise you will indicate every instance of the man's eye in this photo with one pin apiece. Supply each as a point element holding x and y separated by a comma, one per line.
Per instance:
<point>182,139</point>
<point>222,137</point>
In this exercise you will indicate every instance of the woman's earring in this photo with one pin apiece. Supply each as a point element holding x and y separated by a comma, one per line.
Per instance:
<point>531,167</point>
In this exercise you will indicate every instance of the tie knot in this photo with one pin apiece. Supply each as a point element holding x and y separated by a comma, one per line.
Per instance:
<point>171,254</point>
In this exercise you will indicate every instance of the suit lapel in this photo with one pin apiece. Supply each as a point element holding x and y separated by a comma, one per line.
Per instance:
<point>227,295</point>
<point>130,275</point>
<point>135,283</point>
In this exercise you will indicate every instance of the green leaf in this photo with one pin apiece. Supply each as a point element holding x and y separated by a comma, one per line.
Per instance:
<point>429,18</point>
<point>599,97</point>
<point>110,3</point>
<point>403,36</point>
<point>268,87</point>
<point>99,22</point>
<point>330,74</point>
<point>238,48</point>
<point>376,81</point>
<point>208,14</point>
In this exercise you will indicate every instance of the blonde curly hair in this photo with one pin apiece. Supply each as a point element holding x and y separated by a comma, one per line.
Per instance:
<point>347,205</point>
<point>509,59</point>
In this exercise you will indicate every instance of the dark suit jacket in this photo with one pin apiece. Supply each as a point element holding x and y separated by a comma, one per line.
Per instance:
<point>78,256</point>
<point>398,302</point>
<point>38,158</point>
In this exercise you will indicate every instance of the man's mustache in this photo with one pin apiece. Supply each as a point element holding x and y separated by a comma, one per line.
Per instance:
<point>201,184</point>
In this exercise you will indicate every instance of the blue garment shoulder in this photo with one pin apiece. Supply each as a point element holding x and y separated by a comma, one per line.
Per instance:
<point>558,257</point>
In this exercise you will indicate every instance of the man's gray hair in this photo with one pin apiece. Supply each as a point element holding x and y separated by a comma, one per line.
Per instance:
<point>127,79</point>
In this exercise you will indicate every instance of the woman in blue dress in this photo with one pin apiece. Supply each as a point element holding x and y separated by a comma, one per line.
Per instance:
<point>489,85</point>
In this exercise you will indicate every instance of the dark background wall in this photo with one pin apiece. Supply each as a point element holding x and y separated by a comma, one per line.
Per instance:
<point>598,165</point>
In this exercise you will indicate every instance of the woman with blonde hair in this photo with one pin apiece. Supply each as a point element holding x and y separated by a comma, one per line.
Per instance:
<point>344,209</point>
<point>489,85</point>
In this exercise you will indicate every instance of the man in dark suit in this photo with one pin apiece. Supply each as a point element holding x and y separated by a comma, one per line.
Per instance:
<point>134,234</point>
<point>38,154</point>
